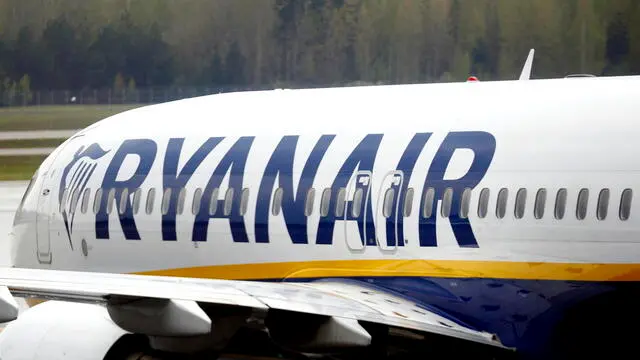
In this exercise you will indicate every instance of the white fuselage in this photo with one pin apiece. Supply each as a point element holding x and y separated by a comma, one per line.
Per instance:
<point>570,134</point>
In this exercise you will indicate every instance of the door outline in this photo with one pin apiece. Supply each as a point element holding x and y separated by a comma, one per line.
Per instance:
<point>47,204</point>
<point>43,222</point>
<point>381,221</point>
<point>363,177</point>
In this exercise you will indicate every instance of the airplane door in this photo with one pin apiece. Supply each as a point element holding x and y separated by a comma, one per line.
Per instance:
<point>355,210</point>
<point>43,241</point>
<point>48,205</point>
<point>388,216</point>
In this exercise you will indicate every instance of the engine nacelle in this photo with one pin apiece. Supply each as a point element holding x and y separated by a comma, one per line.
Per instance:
<point>59,330</point>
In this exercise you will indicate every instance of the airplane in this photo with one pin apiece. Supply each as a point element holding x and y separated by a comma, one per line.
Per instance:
<point>484,218</point>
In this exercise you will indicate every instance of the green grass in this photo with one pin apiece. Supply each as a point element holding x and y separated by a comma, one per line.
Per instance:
<point>30,143</point>
<point>19,167</point>
<point>60,117</point>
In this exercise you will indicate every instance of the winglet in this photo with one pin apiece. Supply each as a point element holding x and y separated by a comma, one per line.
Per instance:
<point>528,64</point>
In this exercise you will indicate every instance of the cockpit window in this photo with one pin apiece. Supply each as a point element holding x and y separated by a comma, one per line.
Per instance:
<point>25,195</point>
<point>29,188</point>
<point>63,203</point>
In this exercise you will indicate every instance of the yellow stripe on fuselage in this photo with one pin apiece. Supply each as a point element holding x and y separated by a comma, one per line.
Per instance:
<point>420,268</point>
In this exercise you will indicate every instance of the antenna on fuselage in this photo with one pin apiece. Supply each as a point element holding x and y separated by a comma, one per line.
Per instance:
<point>528,64</point>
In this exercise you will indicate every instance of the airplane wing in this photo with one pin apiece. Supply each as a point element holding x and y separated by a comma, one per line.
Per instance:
<point>177,303</point>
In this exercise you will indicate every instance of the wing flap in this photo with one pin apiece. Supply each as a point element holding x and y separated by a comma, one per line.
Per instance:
<point>331,298</point>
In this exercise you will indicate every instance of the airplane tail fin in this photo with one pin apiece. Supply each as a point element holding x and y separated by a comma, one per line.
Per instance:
<point>526,70</point>
<point>528,64</point>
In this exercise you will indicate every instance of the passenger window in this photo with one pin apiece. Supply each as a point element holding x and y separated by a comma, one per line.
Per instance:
<point>111,197</point>
<point>561,204</point>
<point>244,201</point>
<point>357,202</point>
<point>308,202</point>
<point>501,203</point>
<point>521,203</point>
<point>324,202</point>
<point>65,195</point>
<point>483,203</point>
<point>124,197</point>
<point>85,201</point>
<point>583,202</point>
<point>228,201</point>
<point>213,202</point>
<point>447,198</point>
<point>429,197</point>
<point>97,200</point>
<point>197,199</point>
<point>465,203</point>
<point>151,197</point>
<point>136,200</point>
<point>408,202</point>
<point>340,202</point>
<point>182,195</point>
<point>277,202</point>
<point>387,206</point>
<point>541,200</point>
<point>166,197</point>
<point>625,204</point>
<point>603,204</point>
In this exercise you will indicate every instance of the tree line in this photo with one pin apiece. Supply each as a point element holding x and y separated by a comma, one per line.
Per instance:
<point>70,44</point>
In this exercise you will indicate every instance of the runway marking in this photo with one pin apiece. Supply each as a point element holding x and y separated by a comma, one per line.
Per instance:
<point>36,134</point>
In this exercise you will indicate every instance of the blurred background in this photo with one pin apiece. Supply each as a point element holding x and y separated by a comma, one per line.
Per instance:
<point>132,51</point>
<point>65,64</point>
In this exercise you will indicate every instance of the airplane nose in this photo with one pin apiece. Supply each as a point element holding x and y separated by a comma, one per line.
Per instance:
<point>9,259</point>
<point>18,206</point>
<point>10,197</point>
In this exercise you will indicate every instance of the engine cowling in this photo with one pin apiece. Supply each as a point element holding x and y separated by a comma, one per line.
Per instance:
<point>59,330</point>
